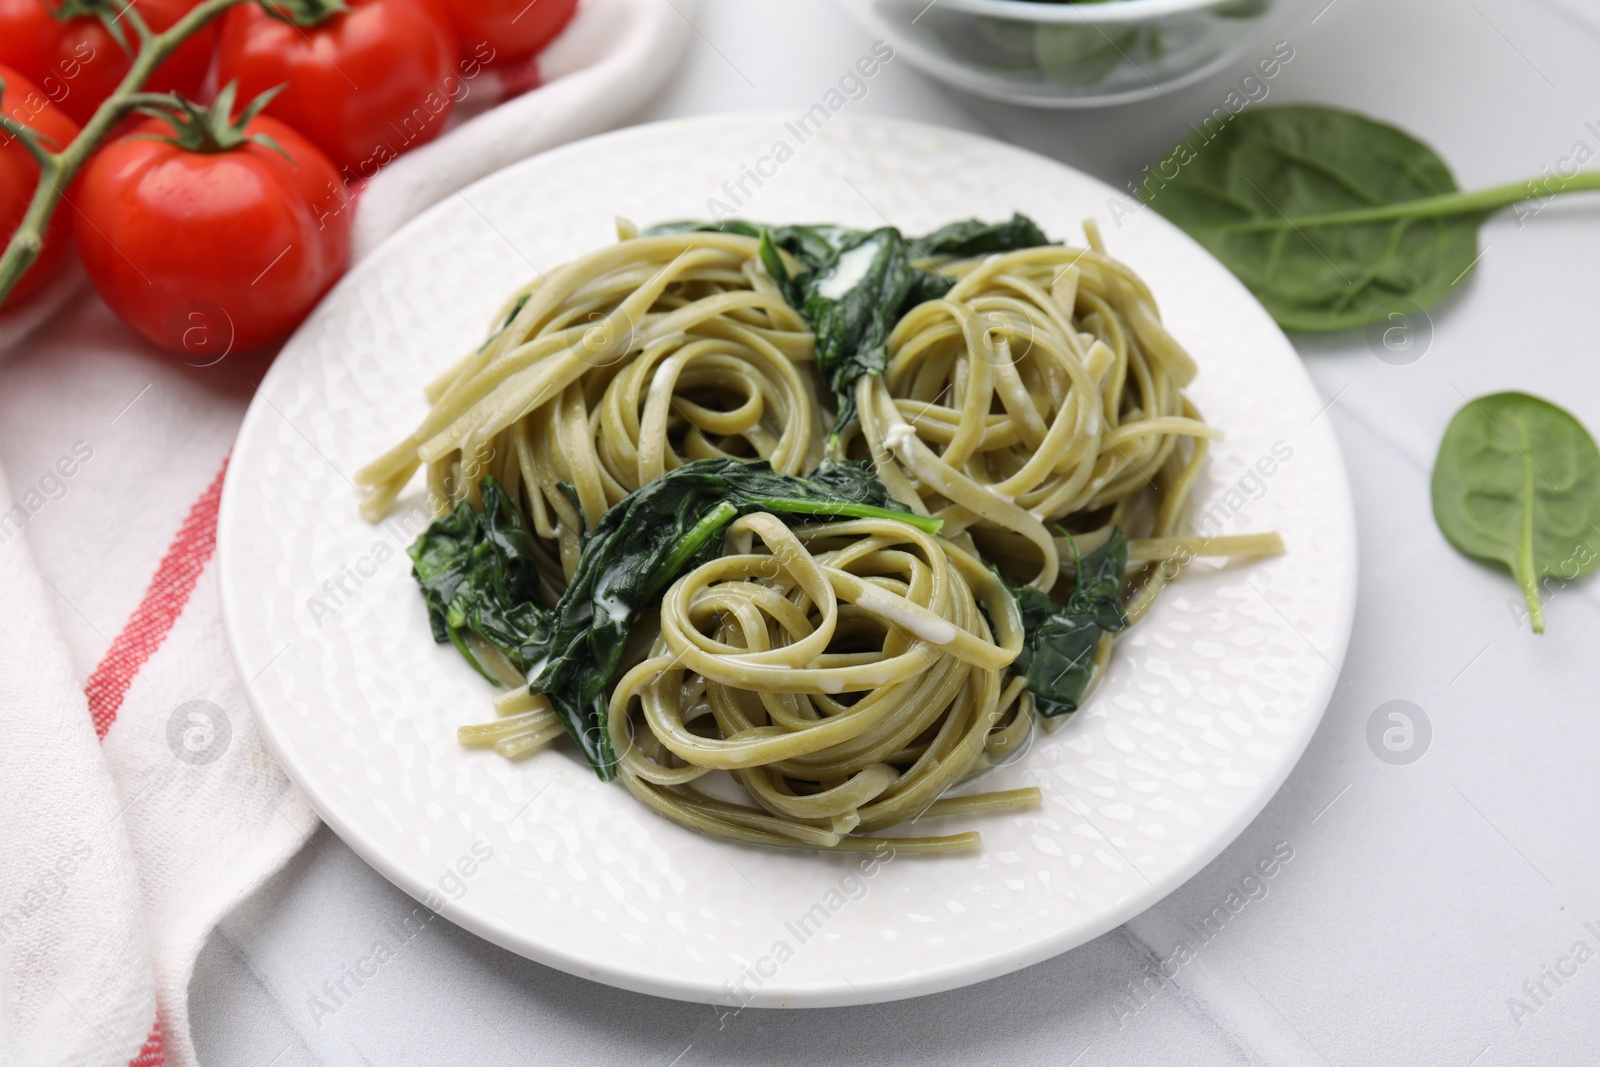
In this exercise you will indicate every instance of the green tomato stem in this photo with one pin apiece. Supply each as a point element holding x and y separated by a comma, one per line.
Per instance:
<point>1483,202</point>
<point>58,169</point>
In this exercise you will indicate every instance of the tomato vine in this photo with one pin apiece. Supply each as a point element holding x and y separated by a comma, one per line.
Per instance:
<point>57,168</point>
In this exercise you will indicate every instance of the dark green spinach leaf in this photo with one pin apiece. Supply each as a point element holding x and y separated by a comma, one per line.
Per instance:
<point>1060,640</point>
<point>855,480</point>
<point>1517,482</point>
<point>477,574</point>
<point>852,298</point>
<point>974,238</point>
<point>1329,217</point>
<point>571,653</point>
<point>855,285</point>
<point>810,244</point>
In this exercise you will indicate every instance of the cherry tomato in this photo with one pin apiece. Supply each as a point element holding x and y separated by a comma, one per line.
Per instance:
<point>210,252</point>
<point>515,29</point>
<point>78,64</point>
<point>19,177</point>
<point>363,86</point>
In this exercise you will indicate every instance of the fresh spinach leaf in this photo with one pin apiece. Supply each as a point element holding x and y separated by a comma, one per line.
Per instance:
<point>1003,44</point>
<point>1081,54</point>
<point>1327,216</point>
<point>571,652</point>
<point>1517,482</point>
<point>1060,640</point>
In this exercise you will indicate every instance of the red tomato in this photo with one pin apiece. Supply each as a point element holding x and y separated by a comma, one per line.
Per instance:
<point>363,86</point>
<point>77,62</point>
<point>210,252</point>
<point>19,177</point>
<point>515,29</point>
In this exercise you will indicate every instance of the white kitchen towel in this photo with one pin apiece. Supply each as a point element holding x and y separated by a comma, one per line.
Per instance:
<point>138,804</point>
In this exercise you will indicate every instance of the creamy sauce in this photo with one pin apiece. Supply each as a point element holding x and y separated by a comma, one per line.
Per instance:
<point>882,676</point>
<point>899,436</point>
<point>935,631</point>
<point>848,272</point>
<point>615,608</point>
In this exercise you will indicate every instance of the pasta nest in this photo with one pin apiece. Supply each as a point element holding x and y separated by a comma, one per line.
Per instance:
<point>845,674</point>
<point>606,373</point>
<point>1043,385</point>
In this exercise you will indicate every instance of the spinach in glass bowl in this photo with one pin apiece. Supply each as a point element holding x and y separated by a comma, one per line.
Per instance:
<point>1069,53</point>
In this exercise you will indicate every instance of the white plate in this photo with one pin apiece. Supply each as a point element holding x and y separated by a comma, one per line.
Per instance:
<point>1208,703</point>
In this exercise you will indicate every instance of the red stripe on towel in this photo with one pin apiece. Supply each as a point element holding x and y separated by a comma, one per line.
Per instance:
<point>151,622</point>
<point>154,1053</point>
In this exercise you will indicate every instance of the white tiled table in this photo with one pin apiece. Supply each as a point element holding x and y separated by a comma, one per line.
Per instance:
<point>1419,898</point>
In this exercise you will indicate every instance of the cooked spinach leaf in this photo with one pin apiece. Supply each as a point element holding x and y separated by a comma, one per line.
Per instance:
<point>856,480</point>
<point>477,574</point>
<point>570,491</point>
<point>1060,640</point>
<point>974,238</point>
<point>810,244</point>
<point>1517,482</point>
<point>1330,217</point>
<point>854,285</point>
<point>571,652</point>
<point>738,226</point>
<point>852,298</point>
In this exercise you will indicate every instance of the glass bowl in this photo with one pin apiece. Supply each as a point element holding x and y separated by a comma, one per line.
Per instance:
<point>1048,53</point>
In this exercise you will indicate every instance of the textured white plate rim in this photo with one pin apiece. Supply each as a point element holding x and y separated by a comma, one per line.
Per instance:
<point>923,980</point>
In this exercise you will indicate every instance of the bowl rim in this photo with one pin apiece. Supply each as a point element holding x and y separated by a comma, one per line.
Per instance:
<point>1114,11</point>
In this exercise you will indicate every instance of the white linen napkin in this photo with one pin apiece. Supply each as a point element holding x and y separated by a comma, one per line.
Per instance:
<point>138,805</point>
